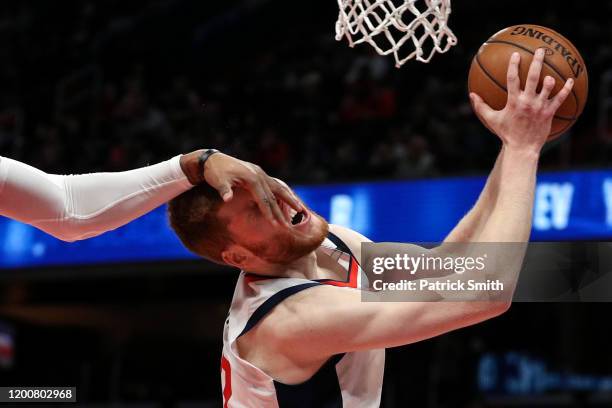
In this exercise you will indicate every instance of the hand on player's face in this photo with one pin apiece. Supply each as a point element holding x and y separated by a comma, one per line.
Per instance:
<point>274,243</point>
<point>225,173</point>
<point>526,120</point>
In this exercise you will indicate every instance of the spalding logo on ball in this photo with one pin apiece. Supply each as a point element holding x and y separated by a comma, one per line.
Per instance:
<point>575,65</point>
<point>488,71</point>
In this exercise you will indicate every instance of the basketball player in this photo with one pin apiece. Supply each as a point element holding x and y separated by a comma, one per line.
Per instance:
<point>298,334</point>
<point>78,207</point>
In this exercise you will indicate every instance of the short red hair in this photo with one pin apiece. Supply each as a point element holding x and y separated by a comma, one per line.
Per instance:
<point>194,217</point>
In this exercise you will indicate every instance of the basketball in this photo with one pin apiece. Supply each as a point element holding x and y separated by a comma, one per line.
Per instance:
<point>487,76</point>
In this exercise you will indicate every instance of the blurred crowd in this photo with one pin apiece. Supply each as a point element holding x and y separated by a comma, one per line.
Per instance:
<point>92,86</point>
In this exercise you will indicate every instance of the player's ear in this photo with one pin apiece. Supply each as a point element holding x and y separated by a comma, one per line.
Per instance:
<point>238,256</point>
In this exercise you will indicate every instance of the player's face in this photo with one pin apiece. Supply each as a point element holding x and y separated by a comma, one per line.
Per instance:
<point>274,244</point>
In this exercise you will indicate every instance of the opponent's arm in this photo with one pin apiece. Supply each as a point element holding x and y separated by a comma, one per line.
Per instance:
<point>82,206</point>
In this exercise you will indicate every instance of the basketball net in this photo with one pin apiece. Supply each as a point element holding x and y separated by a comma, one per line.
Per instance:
<point>387,25</point>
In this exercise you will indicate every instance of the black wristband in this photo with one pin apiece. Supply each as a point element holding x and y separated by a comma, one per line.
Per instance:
<point>202,161</point>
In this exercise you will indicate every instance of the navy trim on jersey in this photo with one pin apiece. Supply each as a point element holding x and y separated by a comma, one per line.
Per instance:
<point>322,390</point>
<point>272,301</point>
<point>340,244</point>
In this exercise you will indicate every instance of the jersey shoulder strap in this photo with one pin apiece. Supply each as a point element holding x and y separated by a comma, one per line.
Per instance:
<point>273,301</point>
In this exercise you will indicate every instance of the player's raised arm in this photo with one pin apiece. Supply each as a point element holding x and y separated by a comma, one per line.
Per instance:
<point>523,126</point>
<point>303,326</point>
<point>82,206</point>
<point>472,223</point>
<point>317,323</point>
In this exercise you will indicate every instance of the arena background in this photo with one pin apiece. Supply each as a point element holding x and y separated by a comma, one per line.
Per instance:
<point>112,85</point>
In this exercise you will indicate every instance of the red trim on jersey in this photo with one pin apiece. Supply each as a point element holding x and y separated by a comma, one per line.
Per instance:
<point>351,281</point>
<point>227,389</point>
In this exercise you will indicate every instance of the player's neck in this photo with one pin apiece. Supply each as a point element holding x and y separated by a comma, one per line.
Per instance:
<point>304,268</point>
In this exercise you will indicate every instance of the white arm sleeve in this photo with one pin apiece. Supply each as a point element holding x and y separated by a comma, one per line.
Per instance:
<point>77,207</point>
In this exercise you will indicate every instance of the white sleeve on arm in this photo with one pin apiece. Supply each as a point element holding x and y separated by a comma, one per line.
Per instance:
<point>83,206</point>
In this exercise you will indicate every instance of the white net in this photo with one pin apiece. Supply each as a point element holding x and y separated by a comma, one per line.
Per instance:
<point>388,25</point>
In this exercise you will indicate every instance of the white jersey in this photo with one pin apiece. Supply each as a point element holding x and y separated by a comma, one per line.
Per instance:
<point>349,380</point>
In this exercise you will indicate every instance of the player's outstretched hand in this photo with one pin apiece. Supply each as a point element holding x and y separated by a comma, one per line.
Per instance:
<point>525,122</point>
<point>224,172</point>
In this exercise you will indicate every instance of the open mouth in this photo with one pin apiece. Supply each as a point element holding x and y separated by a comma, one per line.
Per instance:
<point>297,218</point>
<point>294,217</point>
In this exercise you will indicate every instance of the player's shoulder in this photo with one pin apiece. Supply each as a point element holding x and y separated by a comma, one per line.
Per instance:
<point>351,238</point>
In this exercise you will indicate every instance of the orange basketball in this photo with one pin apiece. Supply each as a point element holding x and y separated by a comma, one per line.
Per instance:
<point>487,75</point>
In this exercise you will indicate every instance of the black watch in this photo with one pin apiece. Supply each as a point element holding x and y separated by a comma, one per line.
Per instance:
<point>202,161</point>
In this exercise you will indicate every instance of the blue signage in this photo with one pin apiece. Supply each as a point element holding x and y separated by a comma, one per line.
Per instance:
<point>515,373</point>
<point>568,206</point>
